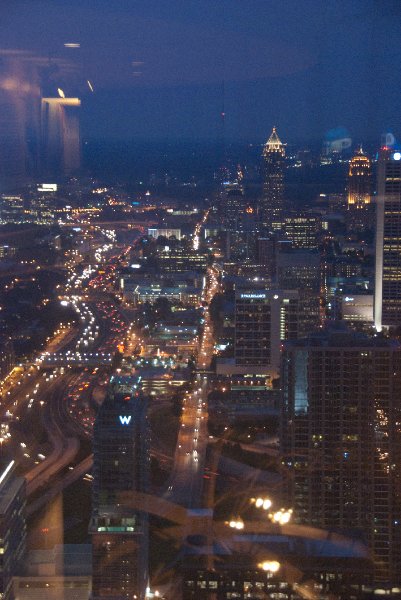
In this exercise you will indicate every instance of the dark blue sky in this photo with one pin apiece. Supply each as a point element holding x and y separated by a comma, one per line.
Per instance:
<point>158,66</point>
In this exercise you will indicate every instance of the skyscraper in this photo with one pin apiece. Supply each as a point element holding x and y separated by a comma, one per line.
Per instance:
<point>387,308</point>
<point>302,230</point>
<point>360,214</point>
<point>272,201</point>
<point>233,206</point>
<point>61,146</point>
<point>263,319</point>
<point>341,438</point>
<point>359,180</point>
<point>298,269</point>
<point>121,462</point>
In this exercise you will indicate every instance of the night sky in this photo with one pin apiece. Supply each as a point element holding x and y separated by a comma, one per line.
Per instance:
<point>158,66</point>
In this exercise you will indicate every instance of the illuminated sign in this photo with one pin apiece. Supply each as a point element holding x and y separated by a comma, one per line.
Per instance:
<point>125,420</point>
<point>253,296</point>
<point>47,187</point>
<point>397,156</point>
<point>348,299</point>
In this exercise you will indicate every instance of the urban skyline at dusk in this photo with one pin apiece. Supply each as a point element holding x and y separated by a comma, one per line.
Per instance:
<point>200,300</point>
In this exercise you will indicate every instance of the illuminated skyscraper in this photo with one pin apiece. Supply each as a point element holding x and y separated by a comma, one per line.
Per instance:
<point>61,146</point>
<point>359,180</point>
<point>387,308</point>
<point>263,319</point>
<point>341,439</point>
<point>121,464</point>
<point>272,201</point>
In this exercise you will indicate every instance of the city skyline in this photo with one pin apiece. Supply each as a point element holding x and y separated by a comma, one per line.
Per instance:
<point>200,300</point>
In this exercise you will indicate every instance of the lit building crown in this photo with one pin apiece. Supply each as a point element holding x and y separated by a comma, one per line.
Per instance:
<point>273,144</point>
<point>359,176</point>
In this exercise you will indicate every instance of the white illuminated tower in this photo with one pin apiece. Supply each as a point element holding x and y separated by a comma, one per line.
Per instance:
<point>387,305</point>
<point>272,201</point>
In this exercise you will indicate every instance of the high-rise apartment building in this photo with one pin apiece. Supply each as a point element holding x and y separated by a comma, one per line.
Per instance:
<point>388,240</point>
<point>272,201</point>
<point>341,439</point>
<point>12,528</point>
<point>121,464</point>
<point>263,319</point>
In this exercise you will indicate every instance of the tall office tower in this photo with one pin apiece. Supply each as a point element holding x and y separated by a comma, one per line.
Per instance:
<point>266,255</point>
<point>272,201</point>
<point>263,319</point>
<point>302,230</point>
<point>12,528</point>
<point>233,206</point>
<point>341,438</point>
<point>359,180</point>
<point>360,213</point>
<point>121,464</point>
<point>388,240</point>
<point>298,269</point>
<point>61,145</point>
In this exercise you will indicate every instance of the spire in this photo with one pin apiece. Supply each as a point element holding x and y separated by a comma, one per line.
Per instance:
<point>273,144</point>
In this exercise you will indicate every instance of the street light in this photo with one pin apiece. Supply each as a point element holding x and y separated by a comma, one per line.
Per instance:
<point>270,566</point>
<point>282,516</point>
<point>236,524</point>
<point>264,503</point>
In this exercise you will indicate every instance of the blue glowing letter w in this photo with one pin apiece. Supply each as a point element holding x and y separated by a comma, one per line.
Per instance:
<point>125,420</point>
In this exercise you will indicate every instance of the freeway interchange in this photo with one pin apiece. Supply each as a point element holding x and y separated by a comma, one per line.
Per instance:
<point>50,403</point>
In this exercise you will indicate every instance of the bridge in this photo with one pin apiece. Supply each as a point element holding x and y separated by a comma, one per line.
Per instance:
<point>75,359</point>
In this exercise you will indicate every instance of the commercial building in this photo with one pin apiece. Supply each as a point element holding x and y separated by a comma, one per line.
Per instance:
<point>272,201</point>
<point>12,528</point>
<point>155,232</point>
<point>357,307</point>
<point>341,439</point>
<point>359,181</point>
<point>178,260</point>
<point>12,209</point>
<point>232,206</point>
<point>388,240</point>
<point>302,568</point>
<point>263,319</point>
<point>121,464</point>
<point>302,230</point>
<point>298,269</point>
